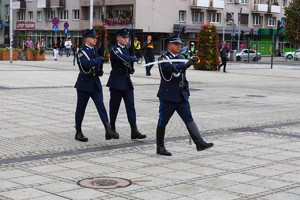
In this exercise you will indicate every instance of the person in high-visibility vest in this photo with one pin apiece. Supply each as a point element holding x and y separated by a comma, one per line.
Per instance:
<point>137,48</point>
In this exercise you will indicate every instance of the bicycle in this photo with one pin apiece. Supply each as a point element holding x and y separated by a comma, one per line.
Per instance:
<point>138,55</point>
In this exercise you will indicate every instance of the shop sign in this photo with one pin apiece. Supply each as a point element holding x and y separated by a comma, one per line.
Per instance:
<point>25,25</point>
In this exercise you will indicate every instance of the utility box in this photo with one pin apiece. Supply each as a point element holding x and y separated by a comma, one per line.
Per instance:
<point>232,55</point>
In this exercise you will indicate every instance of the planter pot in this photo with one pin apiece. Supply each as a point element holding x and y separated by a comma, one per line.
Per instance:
<point>6,55</point>
<point>29,55</point>
<point>40,57</point>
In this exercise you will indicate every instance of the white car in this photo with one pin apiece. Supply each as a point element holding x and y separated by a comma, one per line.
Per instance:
<point>293,54</point>
<point>242,54</point>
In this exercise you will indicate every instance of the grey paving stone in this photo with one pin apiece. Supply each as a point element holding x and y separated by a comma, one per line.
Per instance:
<point>82,194</point>
<point>282,195</point>
<point>214,195</point>
<point>26,193</point>
<point>245,189</point>
<point>155,194</point>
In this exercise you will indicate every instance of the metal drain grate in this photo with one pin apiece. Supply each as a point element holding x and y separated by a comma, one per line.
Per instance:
<point>104,183</point>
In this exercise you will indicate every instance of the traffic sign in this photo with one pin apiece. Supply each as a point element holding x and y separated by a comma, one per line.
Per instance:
<point>55,28</point>
<point>55,21</point>
<point>66,25</point>
<point>1,25</point>
<point>66,31</point>
<point>282,22</point>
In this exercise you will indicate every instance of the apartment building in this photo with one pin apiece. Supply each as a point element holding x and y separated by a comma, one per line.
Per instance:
<point>160,18</point>
<point>4,23</point>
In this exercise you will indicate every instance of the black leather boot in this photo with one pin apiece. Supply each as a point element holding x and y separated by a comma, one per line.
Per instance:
<point>113,126</point>
<point>195,135</point>
<point>160,135</point>
<point>135,134</point>
<point>109,133</point>
<point>79,136</point>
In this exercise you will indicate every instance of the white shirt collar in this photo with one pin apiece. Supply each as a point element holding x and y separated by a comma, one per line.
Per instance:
<point>89,46</point>
<point>172,54</point>
<point>121,45</point>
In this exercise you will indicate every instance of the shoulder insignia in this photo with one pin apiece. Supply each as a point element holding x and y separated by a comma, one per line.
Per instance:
<point>163,58</point>
<point>116,51</point>
<point>80,54</point>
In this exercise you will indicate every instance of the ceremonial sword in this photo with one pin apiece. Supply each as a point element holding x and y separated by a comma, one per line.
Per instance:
<point>164,61</point>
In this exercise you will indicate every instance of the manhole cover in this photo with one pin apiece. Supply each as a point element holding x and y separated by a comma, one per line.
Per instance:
<point>104,183</point>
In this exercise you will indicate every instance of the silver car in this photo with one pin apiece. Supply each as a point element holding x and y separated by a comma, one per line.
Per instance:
<point>291,55</point>
<point>242,54</point>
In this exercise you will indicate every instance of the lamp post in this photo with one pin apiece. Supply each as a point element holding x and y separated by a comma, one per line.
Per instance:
<point>91,13</point>
<point>10,30</point>
<point>239,31</point>
<point>224,15</point>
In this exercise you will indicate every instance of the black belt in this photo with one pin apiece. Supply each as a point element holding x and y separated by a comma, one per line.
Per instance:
<point>180,84</point>
<point>123,70</point>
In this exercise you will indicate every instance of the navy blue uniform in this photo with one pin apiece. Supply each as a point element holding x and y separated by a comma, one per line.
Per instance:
<point>173,91</point>
<point>120,83</point>
<point>88,83</point>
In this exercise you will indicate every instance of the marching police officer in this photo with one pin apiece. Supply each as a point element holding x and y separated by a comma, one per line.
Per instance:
<point>174,94</point>
<point>120,84</point>
<point>88,85</point>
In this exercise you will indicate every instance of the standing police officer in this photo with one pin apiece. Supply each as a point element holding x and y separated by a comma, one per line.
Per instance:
<point>120,84</point>
<point>88,85</point>
<point>173,95</point>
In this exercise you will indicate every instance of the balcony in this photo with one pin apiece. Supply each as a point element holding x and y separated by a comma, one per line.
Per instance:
<point>260,8</point>
<point>107,2</point>
<point>43,4</point>
<point>19,5</point>
<point>195,4</point>
<point>274,9</point>
<point>57,3</point>
<point>216,4</point>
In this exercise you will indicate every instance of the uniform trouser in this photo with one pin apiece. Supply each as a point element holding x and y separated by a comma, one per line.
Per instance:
<point>82,100</point>
<point>167,109</point>
<point>115,101</point>
<point>148,60</point>
<point>224,60</point>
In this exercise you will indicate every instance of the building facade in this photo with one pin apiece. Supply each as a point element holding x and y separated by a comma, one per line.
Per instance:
<point>159,18</point>
<point>4,23</point>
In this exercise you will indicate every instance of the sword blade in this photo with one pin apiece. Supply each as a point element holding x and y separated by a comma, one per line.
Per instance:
<point>164,61</point>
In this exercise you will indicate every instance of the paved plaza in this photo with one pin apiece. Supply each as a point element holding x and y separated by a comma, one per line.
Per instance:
<point>251,114</point>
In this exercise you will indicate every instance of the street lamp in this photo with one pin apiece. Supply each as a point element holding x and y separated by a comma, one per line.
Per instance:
<point>10,30</point>
<point>91,13</point>
<point>239,31</point>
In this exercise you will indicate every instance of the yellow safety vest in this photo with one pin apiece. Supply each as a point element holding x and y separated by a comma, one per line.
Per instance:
<point>137,45</point>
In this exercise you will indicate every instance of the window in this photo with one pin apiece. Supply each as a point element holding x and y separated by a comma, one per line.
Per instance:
<point>284,3</point>
<point>257,20</point>
<point>258,2</point>
<point>39,16</point>
<point>64,15</point>
<point>182,14</point>
<point>271,21</point>
<point>215,17</point>
<point>6,12</point>
<point>21,16</point>
<point>244,19</point>
<point>194,2</point>
<point>30,13</point>
<point>271,2</point>
<point>76,14</point>
<point>50,15</point>
<point>244,1</point>
<point>100,14</point>
<point>229,1</point>
<point>197,17</point>
<point>94,15</point>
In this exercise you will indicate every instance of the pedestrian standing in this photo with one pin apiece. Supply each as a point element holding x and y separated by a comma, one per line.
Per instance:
<point>148,53</point>
<point>38,44</point>
<point>224,56</point>
<point>29,43</point>
<point>75,51</point>
<point>61,47</point>
<point>43,45</point>
<point>88,85</point>
<point>120,84</point>
<point>173,95</point>
<point>55,49</point>
<point>68,45</point>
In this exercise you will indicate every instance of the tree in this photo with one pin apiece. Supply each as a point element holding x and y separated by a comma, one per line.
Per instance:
<point>208,53</point>
<point>291,24</point>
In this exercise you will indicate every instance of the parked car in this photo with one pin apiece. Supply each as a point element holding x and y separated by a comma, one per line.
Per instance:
<point>242,54</point>
<point>293,54</point>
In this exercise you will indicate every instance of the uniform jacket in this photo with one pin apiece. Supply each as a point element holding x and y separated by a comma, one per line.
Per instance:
<point>86,59</point>
<point>120,58</point>
<point>171,75</point>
